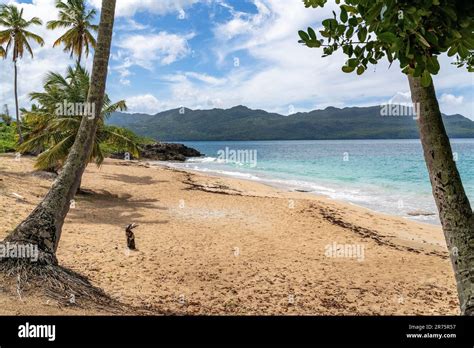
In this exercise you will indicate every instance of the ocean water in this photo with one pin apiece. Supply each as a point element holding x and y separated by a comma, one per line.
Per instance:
<point>389,176</point>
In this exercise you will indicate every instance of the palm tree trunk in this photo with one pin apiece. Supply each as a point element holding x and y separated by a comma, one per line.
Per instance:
<point>18,122</point>
<point>457,218</point>
<point>79,58</point>
<point>44,225</point>
<point>78,191</point>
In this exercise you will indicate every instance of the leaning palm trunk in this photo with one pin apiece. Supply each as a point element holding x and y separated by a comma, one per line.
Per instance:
<point>454,209</point>
<point>18,122</point>
<point>79,57</point>
<point>43,226</point>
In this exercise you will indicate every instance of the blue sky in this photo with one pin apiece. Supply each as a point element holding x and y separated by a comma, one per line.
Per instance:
<point>221,53</point>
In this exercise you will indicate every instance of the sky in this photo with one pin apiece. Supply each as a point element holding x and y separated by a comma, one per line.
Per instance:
<point>205,54</point>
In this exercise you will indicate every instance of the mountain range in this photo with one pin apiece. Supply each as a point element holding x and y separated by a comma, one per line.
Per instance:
<point>242,123</point>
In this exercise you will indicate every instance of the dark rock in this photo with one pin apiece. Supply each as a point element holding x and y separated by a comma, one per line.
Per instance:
<point>163,152</point>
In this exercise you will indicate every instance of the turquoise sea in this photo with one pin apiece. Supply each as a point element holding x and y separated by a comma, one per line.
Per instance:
<point>384,175</point>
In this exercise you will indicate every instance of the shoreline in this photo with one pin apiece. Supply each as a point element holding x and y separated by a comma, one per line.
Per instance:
<point>415,215</point>
<point>209,245</point>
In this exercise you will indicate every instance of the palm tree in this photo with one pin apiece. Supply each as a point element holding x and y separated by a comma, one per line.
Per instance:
<point>3,54</point>
<point>44,225</point>
<point>52,135</point>
<point>16,37</point>
<point>74,15</point>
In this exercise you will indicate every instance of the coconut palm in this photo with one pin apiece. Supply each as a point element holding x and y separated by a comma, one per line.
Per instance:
<point>16,37</point>
<point>52,134</point>
<point>44,225</point>
<point>3,54</point>
<point>74,15</point>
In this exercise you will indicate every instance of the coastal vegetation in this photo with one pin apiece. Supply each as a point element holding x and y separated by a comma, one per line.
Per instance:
<point>79,38</point>
<point>8,137</point>
<point>51,135</point>
<point>16,38</point>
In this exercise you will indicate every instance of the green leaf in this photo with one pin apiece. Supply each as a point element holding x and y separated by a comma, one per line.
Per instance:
<point>362,34</point>
<point>329,23</point>
<point>344,16</point>
<point>463,51</point>
<point>418,70</point>
<point>352,62</point>
<point>350,32</point>
<point>303,35</point>
<point>469,42</point>
<point>423,40</point>
<point>312,34</point>
<point>450,12</point>
<point>314,44</point>
<point>374,11</point>
<point>426,79</point>
<point>432,38</point>
<point>387,37</point>
<point>360,70</point>
<point>456,34</point>
<point>465,23</point>
<point>452,51</point>
<point>353,21</point>
<point>350,9</point>
<point>348,69</point>
<point>433,65</point>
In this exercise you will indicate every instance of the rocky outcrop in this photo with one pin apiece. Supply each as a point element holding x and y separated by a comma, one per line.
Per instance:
<point>164,152</point>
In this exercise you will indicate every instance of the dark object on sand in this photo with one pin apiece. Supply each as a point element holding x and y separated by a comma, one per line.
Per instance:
<point>130,236</point>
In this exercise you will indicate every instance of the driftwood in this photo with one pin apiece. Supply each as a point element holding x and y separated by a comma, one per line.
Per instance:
<point>130,236</point>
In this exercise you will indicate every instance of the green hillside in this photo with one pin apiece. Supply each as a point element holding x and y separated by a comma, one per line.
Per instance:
<point>242,123</point>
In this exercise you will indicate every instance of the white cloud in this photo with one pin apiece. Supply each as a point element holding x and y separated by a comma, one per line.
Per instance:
<point>280,72</point>
<point>275,71</point>
<point>129,24</point>
<point>146,103</point>
<point>162,48</point>
<point>211,80</point>
<point>447,98</point>
<point>452,104</point>
<point>129,8</point>
<point>242,23</point>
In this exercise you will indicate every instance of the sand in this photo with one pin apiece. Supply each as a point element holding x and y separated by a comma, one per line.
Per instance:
<point>210,245</point>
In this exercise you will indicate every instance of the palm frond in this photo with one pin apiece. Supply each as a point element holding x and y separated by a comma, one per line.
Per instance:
<point>46,128</point>
<point>16,34</point>
<point>74,15</point>
<point>56,155</point>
